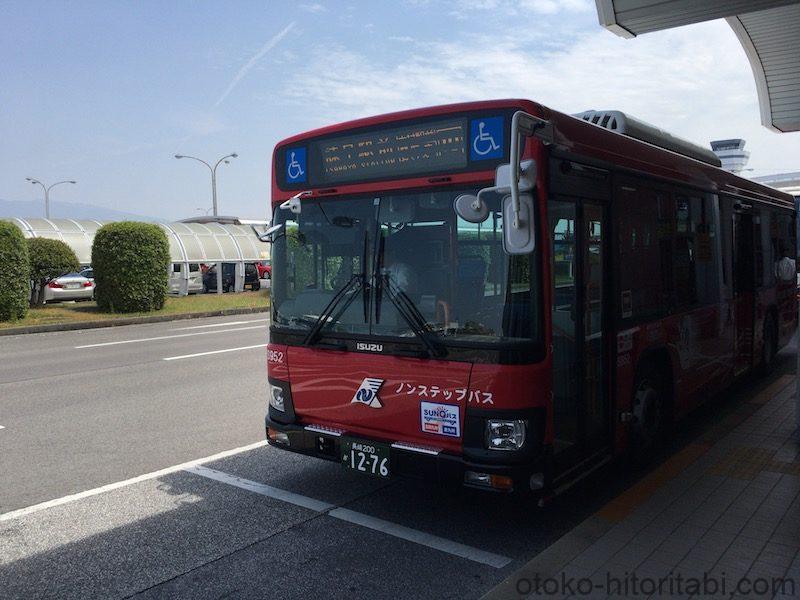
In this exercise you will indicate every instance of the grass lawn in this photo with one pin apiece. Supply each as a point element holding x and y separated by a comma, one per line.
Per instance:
<point>75,312</point>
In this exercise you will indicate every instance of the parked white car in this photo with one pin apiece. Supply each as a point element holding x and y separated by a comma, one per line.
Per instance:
<point>72,286</point>
<point>195,284</point>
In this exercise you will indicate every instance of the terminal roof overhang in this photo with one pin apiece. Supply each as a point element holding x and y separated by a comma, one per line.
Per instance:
<point>767,29</point>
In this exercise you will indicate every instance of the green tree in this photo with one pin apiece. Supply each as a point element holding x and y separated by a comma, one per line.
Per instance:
<point>14,276</point>
<point>48,259</point>
<point>131,262</point>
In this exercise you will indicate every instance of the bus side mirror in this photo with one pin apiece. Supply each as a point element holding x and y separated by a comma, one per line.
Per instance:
<point>293,203</point>
<point>471,208</point>
<point>521,239</point>
<point>267,236</point>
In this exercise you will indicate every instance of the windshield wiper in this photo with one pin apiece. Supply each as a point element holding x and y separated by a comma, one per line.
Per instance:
<point>313,334</point>
<point>357,280</point>
<point>410,313</point>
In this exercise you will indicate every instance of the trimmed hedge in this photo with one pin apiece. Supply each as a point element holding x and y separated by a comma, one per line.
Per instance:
<point>49,259</point>
<point>14,281</point>
<point>130,262</point>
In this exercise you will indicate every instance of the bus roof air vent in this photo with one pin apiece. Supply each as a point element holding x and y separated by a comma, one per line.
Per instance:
<point>615,120</point>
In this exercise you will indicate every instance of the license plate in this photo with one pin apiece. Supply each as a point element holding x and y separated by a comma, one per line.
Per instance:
<point>72,286</point>
<point>365,457</point>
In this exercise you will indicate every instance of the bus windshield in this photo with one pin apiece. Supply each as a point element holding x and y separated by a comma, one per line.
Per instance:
<point>401,266</point>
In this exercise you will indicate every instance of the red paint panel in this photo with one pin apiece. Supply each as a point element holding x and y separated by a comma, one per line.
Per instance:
<point>324,384</point>
<point>509,387</point>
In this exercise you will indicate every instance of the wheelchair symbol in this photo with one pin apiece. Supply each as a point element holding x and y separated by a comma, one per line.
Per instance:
<point>294,170</point>
<point>487,143</point>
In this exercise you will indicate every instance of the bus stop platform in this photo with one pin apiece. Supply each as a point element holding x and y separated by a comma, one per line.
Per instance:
<point>719,518</point>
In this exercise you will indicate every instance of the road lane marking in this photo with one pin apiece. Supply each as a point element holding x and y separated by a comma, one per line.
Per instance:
<point>420,537</point>
<point>214,352</point>
<point>168,337</point>
<point>1,427</point>
<point>262,488</point>
<point>219,324</point>
<point>356,518</point>
<point>21,512</point>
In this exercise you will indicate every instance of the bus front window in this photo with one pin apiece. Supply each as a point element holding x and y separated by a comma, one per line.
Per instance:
<point>319,252</point>
<point>447,277</point>
<point>455,272</point>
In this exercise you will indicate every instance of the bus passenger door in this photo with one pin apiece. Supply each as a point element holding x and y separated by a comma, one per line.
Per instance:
<point>578,253</point>
<point>593,272</point>
<point>743,290</point>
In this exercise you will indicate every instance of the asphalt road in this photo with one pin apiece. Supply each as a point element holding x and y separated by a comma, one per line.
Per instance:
<point>79,417</point>
<point>260,522</point>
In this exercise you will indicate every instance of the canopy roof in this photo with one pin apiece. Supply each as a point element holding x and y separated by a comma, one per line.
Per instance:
<point>767,30</point>
<point>188,242</point>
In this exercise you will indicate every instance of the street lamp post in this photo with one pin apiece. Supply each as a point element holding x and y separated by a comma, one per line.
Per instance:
<point>213,197</point>
<point>47,189</point>
<point>213,174</point>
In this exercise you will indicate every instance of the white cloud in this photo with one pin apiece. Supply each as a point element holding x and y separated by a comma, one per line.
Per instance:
<point>315,8</point>
<point>269,45</point>
<point>550,7</point>
<point>694,81</point>
<point>543,7</point>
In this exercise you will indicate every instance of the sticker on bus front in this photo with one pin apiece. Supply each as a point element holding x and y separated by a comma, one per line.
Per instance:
<point>441,419</point>
<point>487,138</point>
<point>296,165</point>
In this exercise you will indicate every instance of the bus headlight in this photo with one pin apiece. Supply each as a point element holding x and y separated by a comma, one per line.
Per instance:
<point>505,434</point>
<point>276,398</point>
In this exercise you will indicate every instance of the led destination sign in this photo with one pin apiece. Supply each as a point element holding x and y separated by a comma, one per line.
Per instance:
<point>413,149</point>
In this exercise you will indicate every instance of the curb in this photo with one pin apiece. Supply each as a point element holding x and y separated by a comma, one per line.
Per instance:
<point>131,321</point>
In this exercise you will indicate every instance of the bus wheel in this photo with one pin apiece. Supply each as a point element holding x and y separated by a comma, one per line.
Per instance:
<point>770,346</point>
<point>652,416</point>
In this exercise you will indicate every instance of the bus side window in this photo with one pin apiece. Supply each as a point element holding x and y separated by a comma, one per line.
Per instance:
<point>644,240</point>
<point>707,259</point>
<point>687,218</point>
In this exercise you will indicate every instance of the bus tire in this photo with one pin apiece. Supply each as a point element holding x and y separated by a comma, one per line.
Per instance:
<point>652,412</point>
<point>769,347</point>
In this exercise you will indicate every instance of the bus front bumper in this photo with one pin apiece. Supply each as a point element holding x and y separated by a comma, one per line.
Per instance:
<point>410,461</point>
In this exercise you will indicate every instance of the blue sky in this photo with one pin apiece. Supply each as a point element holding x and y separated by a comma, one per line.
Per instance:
<point>107,92</point>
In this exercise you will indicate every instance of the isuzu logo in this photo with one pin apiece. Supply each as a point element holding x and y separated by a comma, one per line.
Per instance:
<point>367,393</point>
<point>369,347</point>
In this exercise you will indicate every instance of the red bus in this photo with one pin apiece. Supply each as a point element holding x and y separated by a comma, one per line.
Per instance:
<point>503,296</point>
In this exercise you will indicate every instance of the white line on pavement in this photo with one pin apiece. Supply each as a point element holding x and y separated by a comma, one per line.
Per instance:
<point>262,488</point>
<point>1,427</point>
<point>420,537</point>
<point>214,352</point>
<point>219,324</point>
<point>399,531</point>
<point>119,484</point>
<point>168,337</point>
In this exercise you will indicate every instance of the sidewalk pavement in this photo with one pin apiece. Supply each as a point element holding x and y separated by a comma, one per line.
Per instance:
<point>720,518</point>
